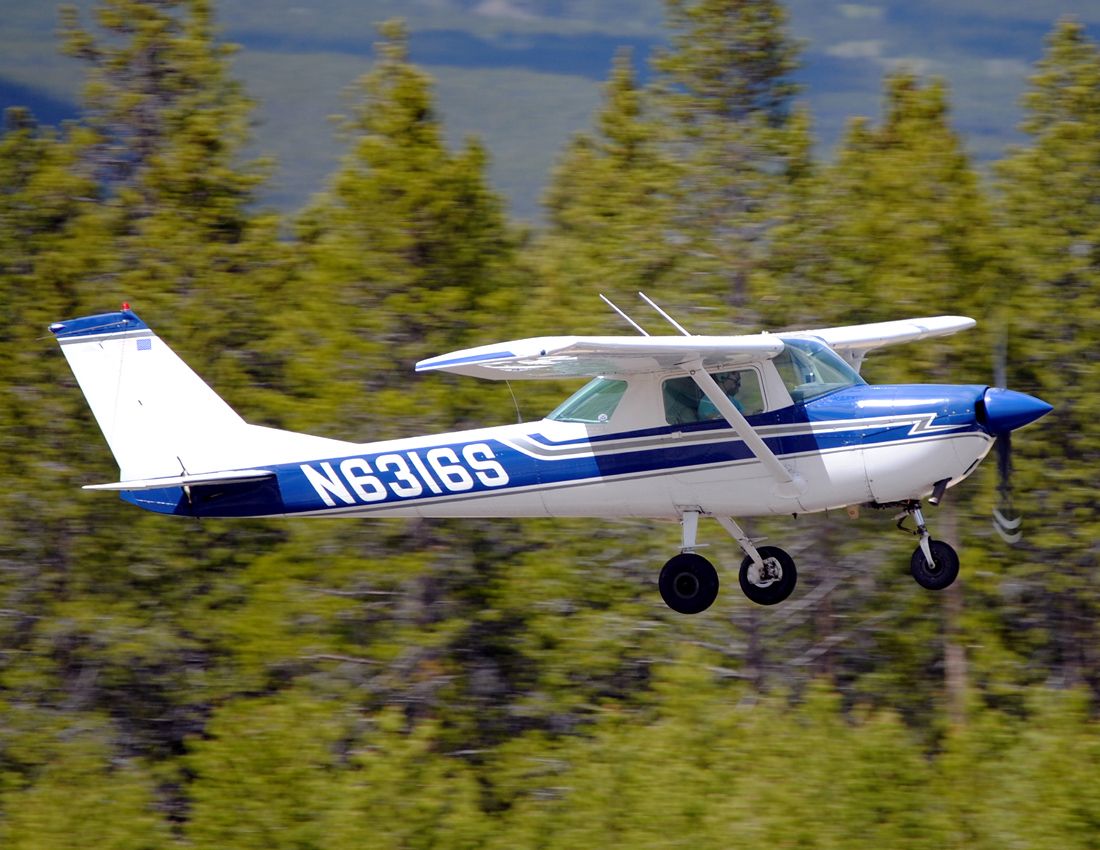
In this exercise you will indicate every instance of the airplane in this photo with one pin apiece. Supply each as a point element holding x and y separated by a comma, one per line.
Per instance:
<point>678,427</point>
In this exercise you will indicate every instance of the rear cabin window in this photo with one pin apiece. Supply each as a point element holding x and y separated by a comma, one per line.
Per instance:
<point>685,402</point>
<point>594,403</point>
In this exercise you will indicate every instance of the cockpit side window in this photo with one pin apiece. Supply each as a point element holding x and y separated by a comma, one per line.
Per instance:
<point>594,403</point>
<point>810,369</point>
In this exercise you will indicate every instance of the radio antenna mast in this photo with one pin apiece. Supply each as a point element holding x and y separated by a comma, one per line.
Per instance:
<point>633,324</point>
<point>667,317</point>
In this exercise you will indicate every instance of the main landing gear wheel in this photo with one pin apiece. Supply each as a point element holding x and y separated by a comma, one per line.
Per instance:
<point>771,583</point>
<point>688,583</point>
<point>943,570</point>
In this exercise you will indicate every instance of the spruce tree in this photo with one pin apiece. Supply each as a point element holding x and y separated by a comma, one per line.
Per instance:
<point>140,200</point>
<point>405,255</point>
<point>170,126</point>
<point>609,206</point>
<point>725,87</point>
<point>898,226</point>
<point>1050,191</point>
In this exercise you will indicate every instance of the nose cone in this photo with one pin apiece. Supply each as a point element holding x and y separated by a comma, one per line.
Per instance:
<point>1007,410</point>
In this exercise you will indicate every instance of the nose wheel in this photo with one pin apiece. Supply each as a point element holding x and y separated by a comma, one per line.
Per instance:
<point>938,573</point>
<point>935,564</point>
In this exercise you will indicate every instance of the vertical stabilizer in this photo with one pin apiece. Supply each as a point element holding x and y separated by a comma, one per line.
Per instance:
<point>158,416</point>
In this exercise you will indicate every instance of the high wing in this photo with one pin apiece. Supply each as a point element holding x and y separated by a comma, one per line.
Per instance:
<point>592,356</point>
<point>853,342</point>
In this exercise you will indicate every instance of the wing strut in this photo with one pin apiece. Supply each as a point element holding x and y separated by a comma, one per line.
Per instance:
<point>790,485</point>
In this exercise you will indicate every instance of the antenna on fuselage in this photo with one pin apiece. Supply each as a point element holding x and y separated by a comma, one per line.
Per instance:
<point>633,324</point>
<point>666,316</point>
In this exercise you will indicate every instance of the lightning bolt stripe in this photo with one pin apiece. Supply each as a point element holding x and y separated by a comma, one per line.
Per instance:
<point>539,447</point>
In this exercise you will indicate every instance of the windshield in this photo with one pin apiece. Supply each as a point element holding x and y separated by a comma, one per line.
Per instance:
<point>811,369</point>
<point>593,403</point>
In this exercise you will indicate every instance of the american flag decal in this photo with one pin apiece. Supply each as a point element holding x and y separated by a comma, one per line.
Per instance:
<point>144,344</point>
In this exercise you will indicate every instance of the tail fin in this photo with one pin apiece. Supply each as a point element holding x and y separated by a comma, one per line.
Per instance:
<point>160,418</point>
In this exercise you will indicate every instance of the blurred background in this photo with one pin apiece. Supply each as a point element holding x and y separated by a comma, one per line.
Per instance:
<point>494,165</point>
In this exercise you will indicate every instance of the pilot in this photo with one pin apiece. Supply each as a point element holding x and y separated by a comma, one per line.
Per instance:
<point>730,382</point>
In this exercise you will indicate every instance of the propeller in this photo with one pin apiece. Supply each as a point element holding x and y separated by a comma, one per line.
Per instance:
<point>1006,521</point>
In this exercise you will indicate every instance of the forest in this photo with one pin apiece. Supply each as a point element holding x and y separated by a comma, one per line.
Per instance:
<point>519,683</point>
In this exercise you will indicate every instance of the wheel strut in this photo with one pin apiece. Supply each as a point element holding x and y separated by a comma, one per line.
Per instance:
<point>737,533</point>
<point>689,522</point>
<point>934,564</point>
<point>768,574</point>
<point>912,509</point>
<point>689,582</point>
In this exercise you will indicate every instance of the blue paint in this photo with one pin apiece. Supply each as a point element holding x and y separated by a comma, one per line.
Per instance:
<point>435,363</point>
<point>104,323</point>
<point>1003,410</point>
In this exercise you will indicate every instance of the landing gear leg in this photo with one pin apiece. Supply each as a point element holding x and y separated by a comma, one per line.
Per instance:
<point>688,582</point>
<point>934,565</point>
<point>768,574</point>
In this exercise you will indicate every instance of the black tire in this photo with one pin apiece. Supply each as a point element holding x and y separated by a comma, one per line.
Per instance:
<point>943,571</point>
<point>777,589</point>
<point>688,583</point>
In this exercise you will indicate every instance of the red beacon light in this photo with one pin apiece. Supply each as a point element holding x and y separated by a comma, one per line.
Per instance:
<point>126,306</point>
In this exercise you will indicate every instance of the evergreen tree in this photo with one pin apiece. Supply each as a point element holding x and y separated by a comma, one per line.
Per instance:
<point>139,202</point>
<point>405,256</point>
<point>898,226</point>
<point>609,207</point>
<point>170,125</point>
<point>85,793</point>
<point>725,88</point>
<point>263,774</point>
<point>908,231</point>
<point>1050,192</point>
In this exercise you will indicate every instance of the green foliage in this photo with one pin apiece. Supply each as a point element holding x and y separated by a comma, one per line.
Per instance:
<point>518,684</point>
<point>900,226</point>
<point>84,793</point>
<point>1050,196</point>
<point>399,792</point>
<point>261,778</point>
<point>402,254</point>
<point>609,207</point>
<point>725,93</point>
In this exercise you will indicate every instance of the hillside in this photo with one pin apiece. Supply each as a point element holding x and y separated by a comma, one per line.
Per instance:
<point>524,75</point>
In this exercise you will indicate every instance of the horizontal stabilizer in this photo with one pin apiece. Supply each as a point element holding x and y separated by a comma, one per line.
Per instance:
<point>238,476</point>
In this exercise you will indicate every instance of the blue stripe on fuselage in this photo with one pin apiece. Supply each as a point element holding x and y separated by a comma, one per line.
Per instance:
<point>877,415</point>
